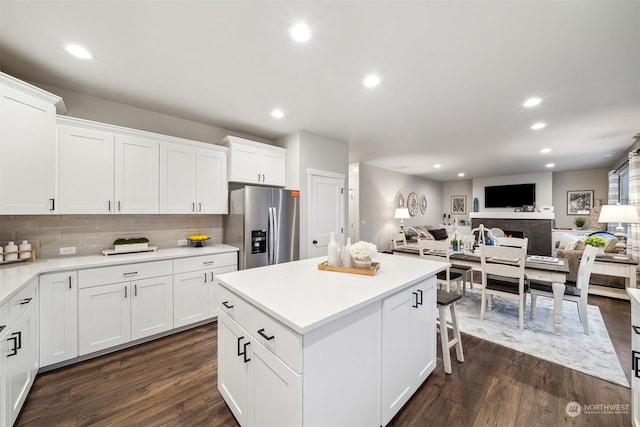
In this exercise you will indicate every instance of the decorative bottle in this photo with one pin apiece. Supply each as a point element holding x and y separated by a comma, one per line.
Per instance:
<point>346,254</point>
<point>24,246</point>
<point>332,250</point>
<point>476,204</point>
<point>11,247</point>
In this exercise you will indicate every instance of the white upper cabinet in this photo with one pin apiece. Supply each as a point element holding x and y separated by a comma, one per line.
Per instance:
<point>193,179</point>
<point>85,171</point>
<point>27,148</point>
<point>255,163</point>
<point>137,181</point>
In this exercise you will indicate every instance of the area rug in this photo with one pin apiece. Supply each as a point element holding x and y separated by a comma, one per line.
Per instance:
<point>592,354</point>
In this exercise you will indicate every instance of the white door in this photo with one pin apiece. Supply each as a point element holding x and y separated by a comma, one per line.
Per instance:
<point>177,179</point>
<point>326,210</point>
<point>58,301</point>
<point>27,153</point>
<point>85,171</point>
<point>191,297</point>
<point>104,317</point>
<point>151,306</point>
<point>137,178</point>
<point>212,182</point>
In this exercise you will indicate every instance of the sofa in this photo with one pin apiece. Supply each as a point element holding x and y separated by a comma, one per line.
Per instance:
<point>571,248</point>
<point>416,232</point>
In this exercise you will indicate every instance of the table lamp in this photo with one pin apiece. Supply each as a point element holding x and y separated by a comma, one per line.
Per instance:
<point>627,214</point>
<point>402,214</point>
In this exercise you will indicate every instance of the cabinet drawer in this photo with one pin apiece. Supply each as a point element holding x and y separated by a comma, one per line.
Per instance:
<point>122,273</point>
<point>232,305</point>
<point>277,338</point>
<point>204,262</point>
<point>22,301</point>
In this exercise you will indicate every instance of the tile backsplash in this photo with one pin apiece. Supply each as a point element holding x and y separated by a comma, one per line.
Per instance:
<point>90,234</point>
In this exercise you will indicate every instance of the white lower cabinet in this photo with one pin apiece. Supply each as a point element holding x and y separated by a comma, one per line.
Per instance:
<point>19,352</point>
<point>58,306</point>
<point>408,345</point>
<point>361,365</point>
<point>110,314</point>
<point>194,286</point>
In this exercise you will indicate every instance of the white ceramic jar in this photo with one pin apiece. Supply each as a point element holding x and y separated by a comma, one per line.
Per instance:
<point>332,251</point>
<point>24,246</point>
<point>11,247</point>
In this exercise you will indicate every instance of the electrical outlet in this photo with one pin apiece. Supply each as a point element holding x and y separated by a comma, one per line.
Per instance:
<point>70,250</point>
<point>183,242</point>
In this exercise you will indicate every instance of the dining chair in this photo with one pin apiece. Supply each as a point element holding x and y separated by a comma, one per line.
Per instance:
<point>514,242</point>
<point>577,293</point>
<point>398,240</point>
<point>503,275</point>
<point>439,250</point>
<point>466,246</point>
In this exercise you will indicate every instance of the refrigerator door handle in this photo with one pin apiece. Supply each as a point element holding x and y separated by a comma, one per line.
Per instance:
<point>270,240</point>
<point>276,235</point>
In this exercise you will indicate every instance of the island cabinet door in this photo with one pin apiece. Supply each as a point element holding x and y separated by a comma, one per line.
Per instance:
<point>234,365</point>
<point>423,334</point>
<point>276,393</point>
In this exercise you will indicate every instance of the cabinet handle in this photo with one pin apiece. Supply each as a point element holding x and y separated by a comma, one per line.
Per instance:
<point>262,177</point>
<point>205,277</point>
<point>416,304</point>
<point>118,205</point>
<point>109,205</point>
<point>207,262</point>
<point>131,273</point>
<point>211,276</point>
<point>52,203</point>
<point>636,329</point>
<point>258,177</point>
<point>265,336</point>
<point>25,301</point>
<point>14,350</point>
<point>635,355</point>
<point>125,291</point>
<point>420,292</point>
<point>2,327</point>
<point>199,207</point>
<point>244,352</point>
<point>69,282</point>
<point>193,207</point>
<point>240,353</point>
<point>225,303</point>
<point>135,290</point>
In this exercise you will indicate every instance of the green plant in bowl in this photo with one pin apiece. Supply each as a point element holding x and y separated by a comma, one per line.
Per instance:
<point>596,241</point>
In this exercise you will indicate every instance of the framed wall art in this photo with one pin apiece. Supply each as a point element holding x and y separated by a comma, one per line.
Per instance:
<point>579,202</point>
<point>458,205</point>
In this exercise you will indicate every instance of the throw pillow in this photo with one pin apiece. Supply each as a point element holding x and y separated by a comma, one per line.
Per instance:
<point>439,234</point>
<point>567,242</point>
<point>611,245</point>
<point>580,245</point>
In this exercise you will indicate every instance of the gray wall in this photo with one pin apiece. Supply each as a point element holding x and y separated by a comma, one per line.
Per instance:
<point>377,191</point>
<point>590,179</point>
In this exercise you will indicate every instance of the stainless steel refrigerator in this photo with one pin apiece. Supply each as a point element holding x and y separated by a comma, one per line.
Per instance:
<point>264,223</point>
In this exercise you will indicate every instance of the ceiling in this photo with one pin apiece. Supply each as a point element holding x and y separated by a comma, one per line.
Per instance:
<point>454,74</point>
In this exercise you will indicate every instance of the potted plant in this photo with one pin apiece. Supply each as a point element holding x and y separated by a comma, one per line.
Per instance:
<point>596,241</point>
<point>362,252</point>
<point>131,245</point>
<point>455,244</point>
<point>579,222</point>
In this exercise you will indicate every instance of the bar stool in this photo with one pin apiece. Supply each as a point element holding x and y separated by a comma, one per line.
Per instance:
<point>445,299</point>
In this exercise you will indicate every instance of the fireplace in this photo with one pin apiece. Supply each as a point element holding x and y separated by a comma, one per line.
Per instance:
<point>538,231</point>
<point>514,233</point>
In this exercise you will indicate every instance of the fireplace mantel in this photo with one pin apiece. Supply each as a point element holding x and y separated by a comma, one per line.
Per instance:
<point>512,215</point>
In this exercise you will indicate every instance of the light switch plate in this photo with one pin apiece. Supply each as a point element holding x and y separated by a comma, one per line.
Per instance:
<point>183,242</point>
<point>70,250</point>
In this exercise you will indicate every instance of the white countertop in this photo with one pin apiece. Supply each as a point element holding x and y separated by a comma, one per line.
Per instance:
<point>304,298</point>
<point>14,276</point>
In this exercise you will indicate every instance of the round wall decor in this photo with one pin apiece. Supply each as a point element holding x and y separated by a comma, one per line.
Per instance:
<point>412,204</point>
<point>399,200</point>
<point>423,204</point>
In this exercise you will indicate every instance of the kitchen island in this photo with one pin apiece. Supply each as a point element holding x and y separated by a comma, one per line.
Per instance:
<point>298,346</point>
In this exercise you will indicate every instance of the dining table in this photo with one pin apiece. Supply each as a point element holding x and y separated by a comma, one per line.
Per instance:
<point>548,269</point>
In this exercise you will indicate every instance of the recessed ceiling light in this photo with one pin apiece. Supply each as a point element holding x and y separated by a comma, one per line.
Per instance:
<point>277,113</point>
<point>300,32</point>
<point>608,155</point>
<point>78,51</point>
<point>545,150</point>
<point>538,126</point>
<point>437,165</point>
<point>461,174</point>
<point>372,80</point>
<point>532,102</point>
<point>549,165</point>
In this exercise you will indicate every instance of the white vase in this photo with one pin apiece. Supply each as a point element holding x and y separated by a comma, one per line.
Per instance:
<point>332,250</point>
<point>24,246</point>
<point>346,254</point>
<point>11,247</point>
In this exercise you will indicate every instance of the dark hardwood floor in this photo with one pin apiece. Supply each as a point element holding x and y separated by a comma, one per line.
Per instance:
<point>172,382</point>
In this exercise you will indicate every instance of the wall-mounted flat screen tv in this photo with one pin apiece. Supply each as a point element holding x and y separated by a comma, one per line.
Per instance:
<point>509,196</point>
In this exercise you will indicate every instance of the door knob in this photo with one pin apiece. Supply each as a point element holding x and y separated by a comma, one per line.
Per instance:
<point>315,242</point>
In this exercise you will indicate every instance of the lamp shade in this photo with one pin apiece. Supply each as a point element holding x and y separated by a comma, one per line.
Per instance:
<point>627,214</point>
<point>402,213</point>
